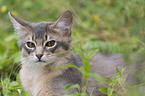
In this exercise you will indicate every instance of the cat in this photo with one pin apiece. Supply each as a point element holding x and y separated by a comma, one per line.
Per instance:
<point>45,46</point>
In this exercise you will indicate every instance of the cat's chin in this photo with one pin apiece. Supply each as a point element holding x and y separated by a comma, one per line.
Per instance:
<point>41,63</point>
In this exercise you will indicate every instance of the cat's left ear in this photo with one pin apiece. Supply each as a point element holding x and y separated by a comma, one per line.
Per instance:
<point>64,21</point>
<point>19,24</point>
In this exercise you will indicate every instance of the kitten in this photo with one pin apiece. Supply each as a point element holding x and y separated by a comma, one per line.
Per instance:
<point>43,47</point>
<point>46,45</point>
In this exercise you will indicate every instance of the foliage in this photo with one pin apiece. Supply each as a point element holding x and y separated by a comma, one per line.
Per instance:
<point>8,53</point>
<point>13,88</point>
<point>117,81</point>
<point>85,70</point>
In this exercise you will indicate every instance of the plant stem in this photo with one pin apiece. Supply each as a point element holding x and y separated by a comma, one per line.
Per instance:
<point>81,89</point>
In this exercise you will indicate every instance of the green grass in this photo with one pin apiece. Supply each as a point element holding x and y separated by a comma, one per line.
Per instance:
<point>106,25</point>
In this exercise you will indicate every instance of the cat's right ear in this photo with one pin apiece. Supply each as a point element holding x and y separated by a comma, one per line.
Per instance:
<point>20,25</point>
<point>63,23</point>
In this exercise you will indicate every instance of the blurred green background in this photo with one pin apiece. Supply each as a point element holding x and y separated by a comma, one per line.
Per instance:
<point>107,25</point>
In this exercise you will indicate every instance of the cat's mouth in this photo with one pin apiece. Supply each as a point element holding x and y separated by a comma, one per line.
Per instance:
<point>41,61</point>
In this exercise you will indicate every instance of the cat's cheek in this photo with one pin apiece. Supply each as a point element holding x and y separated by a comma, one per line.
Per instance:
<point>35,58</point>
<point>43,58</point>
<point>24,53</point>
<point>61,52</point>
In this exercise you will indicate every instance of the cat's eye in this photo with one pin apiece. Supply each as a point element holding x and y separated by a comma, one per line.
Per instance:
<point>30,45</point>
<point>50,43</point>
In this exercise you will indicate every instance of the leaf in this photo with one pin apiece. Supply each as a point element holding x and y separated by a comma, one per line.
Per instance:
<point>110,91</point>
<point>90,54</point>
<point>18,79</point>
<point>75,94</point>
<point>115,76</point>
<point>122,70</point>
<point>82,94</point>
<point>14,84</point>
<point>97,77</point>
<point>86,65</point>
<point>5,85</point>
<point>103,90</point>
<point>69,95</point>
<point>117,70</point>
<point>92,92</point>
<point>66,65</point>
<point>85,87</point>
<point>108,80</point>
<point>69,86</point>
<point>26,93</point>
<point>115,82</point>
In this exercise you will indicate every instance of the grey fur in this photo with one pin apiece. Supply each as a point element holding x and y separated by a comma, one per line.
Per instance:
<point>40,28</point>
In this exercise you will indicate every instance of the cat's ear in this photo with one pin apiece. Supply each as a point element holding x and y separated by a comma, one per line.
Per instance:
<point>20,25</point>
<point>64,22</point>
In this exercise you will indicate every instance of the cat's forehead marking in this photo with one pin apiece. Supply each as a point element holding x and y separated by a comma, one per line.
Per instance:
<point>29,37</point>
<point>47,37</point>
<point>33,36</point>
<point>40,29</point>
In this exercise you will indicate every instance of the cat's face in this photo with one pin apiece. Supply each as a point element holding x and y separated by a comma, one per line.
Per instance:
<point>45,42</point>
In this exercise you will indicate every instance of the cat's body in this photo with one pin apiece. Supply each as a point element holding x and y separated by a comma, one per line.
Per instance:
<point>45,46</point>
<point>44,81</point>
<point>51,82</point>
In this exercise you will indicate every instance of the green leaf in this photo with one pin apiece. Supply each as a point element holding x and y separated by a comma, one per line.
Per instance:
<point>115,76</point>
<point>90,54</point>
<point>82,94</point>
<point>66,65</point>
<point>86,65</point>
<point>108,80</point>
<point>92,92</point>
<point>14,84</point>
<point>122,70</point>
<point>117,70</point>
<point>69,95</point>
<point>75,94</point>
<point>5,85</point>
<point>18,79</point>
<point>115,82</point>
<point>103,90</point>
<point>69,86</point>
<point>85,87</point>
<point>110,91</point>
<point>26,93</point>
<point>97,77</point>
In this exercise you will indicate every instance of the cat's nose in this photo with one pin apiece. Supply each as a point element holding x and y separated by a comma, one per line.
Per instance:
<point>39,56</point>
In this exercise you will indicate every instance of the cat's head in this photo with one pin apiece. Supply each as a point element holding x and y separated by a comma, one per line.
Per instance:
<point>45,42</point>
